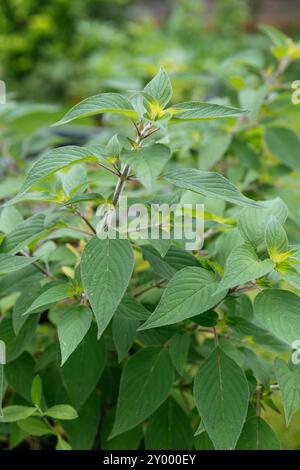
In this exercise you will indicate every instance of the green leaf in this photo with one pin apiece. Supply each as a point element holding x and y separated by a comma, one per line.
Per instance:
<point>289,384</point>
<point>257,435</point>
<point>125,322</point>
<point>55,160</point>
<point>85,198</point>
<point>209,184</point>
<point>88,420</point>
<point>89,358</point>
<point>169,428</point>
<point>145,384</point>
<point>252,222</point>
<point>10,217</point>
<point>24,301</point>
<point>200,111</point>
<point>278,311</point>
<point>72,328</point>
<point>98,104</point>
<point>221,395</point>
<point>289,273</point>
<point>20,374</point>
<point>10,263</point>
<point>242,266</point>
<point>173,261</point>
<point>278,38</point>
<point>203,442</point>
<point>179,347</point>
<point>15,413</point>
<point>1,385</point>
<point>148,162</point>
<point>160,88</point>
<point>190,292</point>
<point>62,444</point>
<point>213,150</point>
<point>61,412</point>
<point>276,240</point>
<point>27,231</point>
<point>129,440</point>
<point>15,345</point>
<point>54,293</point>
<point>34,426</point>
<point>106,268</point>
<point>123,333</point>
<point>36,390</point>
<point>284,144</point>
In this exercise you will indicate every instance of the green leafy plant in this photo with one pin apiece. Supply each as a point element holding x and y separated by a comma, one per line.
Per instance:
<point>148,344</point>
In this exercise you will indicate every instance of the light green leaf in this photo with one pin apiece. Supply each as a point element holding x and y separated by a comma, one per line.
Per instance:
<point>160,88</point>
<point>36,390</point>
<point>199,111</point>
<point>61,412</point>
<point>98,104</point>
<point>10,263</point>
<point>54,293</point>
<point>289,273</point>
<point>276,240</point>
<point>284,144</point>
<point>278,38</point>
<point>148,162</point>
<point>242,266</point>
<point>257,435</point>
<point>55,160</point>
<point>252,222</point>
<point>72,328</point>
<point>221,395</point>
<point>145,384</point>
<point>106,268</point>
<point>209,184</point>
<point>213,150</point>
<point>24,233</point>
<point>34,426</point>
<point>15,413</point>
<point>10,217</point>
<point>278,311</point>
<point>169,428</point>
<point>190,292</point>
<point>289,384</point>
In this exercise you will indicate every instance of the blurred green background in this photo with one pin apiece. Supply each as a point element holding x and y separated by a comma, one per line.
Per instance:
<point>61,51</point>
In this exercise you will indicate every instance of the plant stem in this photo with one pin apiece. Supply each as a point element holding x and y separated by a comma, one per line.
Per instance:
<point>152,286</point>
<point>77,212</point>
<point>43,270</point>
<point>258,398</point>
<point>125,172</point>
